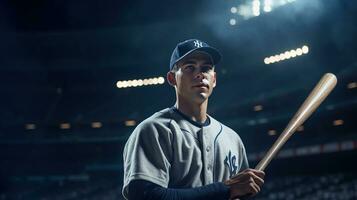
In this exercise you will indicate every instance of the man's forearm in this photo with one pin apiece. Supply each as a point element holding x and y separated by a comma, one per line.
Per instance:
<point>145,190</point>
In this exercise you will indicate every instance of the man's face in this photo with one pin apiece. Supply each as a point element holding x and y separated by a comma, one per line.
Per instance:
<point>195,77</point>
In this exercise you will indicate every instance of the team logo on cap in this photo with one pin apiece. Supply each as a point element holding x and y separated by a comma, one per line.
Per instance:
<point>198,43</point>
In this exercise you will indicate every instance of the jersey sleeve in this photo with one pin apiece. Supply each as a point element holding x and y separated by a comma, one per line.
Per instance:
<point>147,155</point>
<point>244,164</point>
<point>243,161</point>
<point>148,190</point>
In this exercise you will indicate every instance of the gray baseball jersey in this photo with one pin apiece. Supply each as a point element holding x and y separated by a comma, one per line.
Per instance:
<point>171,150</point>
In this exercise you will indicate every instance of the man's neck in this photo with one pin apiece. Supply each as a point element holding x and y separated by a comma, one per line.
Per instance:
<point>197,112</point>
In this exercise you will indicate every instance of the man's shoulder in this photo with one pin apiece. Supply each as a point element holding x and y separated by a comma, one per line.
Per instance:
<point>225,128</point>
<point>157,125</point>
<point>159,118</point>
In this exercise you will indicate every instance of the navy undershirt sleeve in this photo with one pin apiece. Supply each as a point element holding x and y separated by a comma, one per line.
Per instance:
<point>145,190</point>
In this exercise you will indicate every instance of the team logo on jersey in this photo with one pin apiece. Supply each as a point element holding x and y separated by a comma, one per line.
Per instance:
<point>198,43</point>
<point>231,162</point>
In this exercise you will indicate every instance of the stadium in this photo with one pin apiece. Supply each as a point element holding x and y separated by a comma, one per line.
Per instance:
<point>78,76</point>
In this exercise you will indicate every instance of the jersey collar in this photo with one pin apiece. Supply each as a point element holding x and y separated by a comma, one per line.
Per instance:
<point>207,122</point>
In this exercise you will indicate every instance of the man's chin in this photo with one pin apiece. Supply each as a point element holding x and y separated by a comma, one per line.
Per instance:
<point>201,97</point>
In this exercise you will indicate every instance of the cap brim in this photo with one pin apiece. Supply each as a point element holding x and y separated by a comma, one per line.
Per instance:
<point>214,53</point>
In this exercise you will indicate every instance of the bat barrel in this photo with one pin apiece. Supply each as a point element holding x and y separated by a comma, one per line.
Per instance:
<point>315,98</point>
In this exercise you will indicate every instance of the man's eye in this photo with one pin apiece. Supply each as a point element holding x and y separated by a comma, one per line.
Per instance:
<point>189,68</point>
<point>207,68</point>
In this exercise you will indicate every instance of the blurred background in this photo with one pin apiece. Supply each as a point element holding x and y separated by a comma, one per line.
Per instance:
<point>76,77</point>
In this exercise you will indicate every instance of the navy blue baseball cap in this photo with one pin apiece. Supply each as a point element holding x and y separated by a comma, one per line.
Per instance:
<point>186,47</point>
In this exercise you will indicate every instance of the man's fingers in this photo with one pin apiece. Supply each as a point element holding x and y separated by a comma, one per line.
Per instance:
<point>244,190</point>
<point>237,175</point>
<point>245,175</point>
<point>259,173</point>
<point>253,187</point>
<point>246,183</point>
<point>249,189</point>
<point>237,178</point>
<point>258,180</point>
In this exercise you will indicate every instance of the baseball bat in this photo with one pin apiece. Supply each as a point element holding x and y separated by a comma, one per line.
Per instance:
<point>315,98</point>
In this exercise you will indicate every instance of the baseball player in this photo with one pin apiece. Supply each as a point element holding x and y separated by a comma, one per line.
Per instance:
<point>182,152</point>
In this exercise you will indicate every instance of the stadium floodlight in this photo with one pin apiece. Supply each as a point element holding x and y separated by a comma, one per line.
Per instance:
<point>272,132</point>
<point>161,80</point>
<point>267,60</point>
<point>258,108</point>
<point>140,82</point>
<point>96,125</point>
<point>253,8</point>
<point>299,51</point>
<point>232,22</point>
<point>135,83</point>
<point>338,122</point>
<point>282,56</point>
<point>256,7</point>
<point>293,53</point>
<point>130,123</point>
<point>267,8</point>
<point>267,5</point>
<point>65,126</point>
<point>287,55</point>
<point>30,126</point>
<point>352,85</point>
<point>305,49</point>
<point>145,82</point>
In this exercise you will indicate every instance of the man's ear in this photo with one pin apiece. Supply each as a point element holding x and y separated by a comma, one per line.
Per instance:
<point>170,76</point>
<point>215,79</point>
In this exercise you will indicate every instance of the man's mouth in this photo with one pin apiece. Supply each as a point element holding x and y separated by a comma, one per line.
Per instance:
<point>201,85</point>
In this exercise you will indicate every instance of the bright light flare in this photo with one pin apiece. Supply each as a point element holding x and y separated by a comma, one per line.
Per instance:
<point>30,126</point>
<point>130,123</point>
<point>140,82</point>
<point>65,126</point>
<point>352,85</point>
<point>232,22</point>
<point>338,122</point>
<point>234,10</point>
<point>96,125</point>
<point>272,132</point>
<point>287,55</point>
<point>267,5</point>
<point>258,108</point>
<point>256,7</point>
<point>305,49</point>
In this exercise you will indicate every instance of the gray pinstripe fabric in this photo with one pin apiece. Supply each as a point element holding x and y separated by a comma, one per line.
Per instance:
<point>172,151</point>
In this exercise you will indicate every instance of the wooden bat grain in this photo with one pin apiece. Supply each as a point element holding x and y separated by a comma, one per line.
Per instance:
<point>315,98</point>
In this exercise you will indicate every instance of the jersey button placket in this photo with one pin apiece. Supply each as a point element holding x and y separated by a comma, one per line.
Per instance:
<point>208,154</point>
<point>208,148</point>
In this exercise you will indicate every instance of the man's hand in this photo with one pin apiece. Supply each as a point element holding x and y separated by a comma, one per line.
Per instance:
<point>246,183</point>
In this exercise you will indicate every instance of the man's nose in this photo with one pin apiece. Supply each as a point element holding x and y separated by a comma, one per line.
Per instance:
<point>199,75</point>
